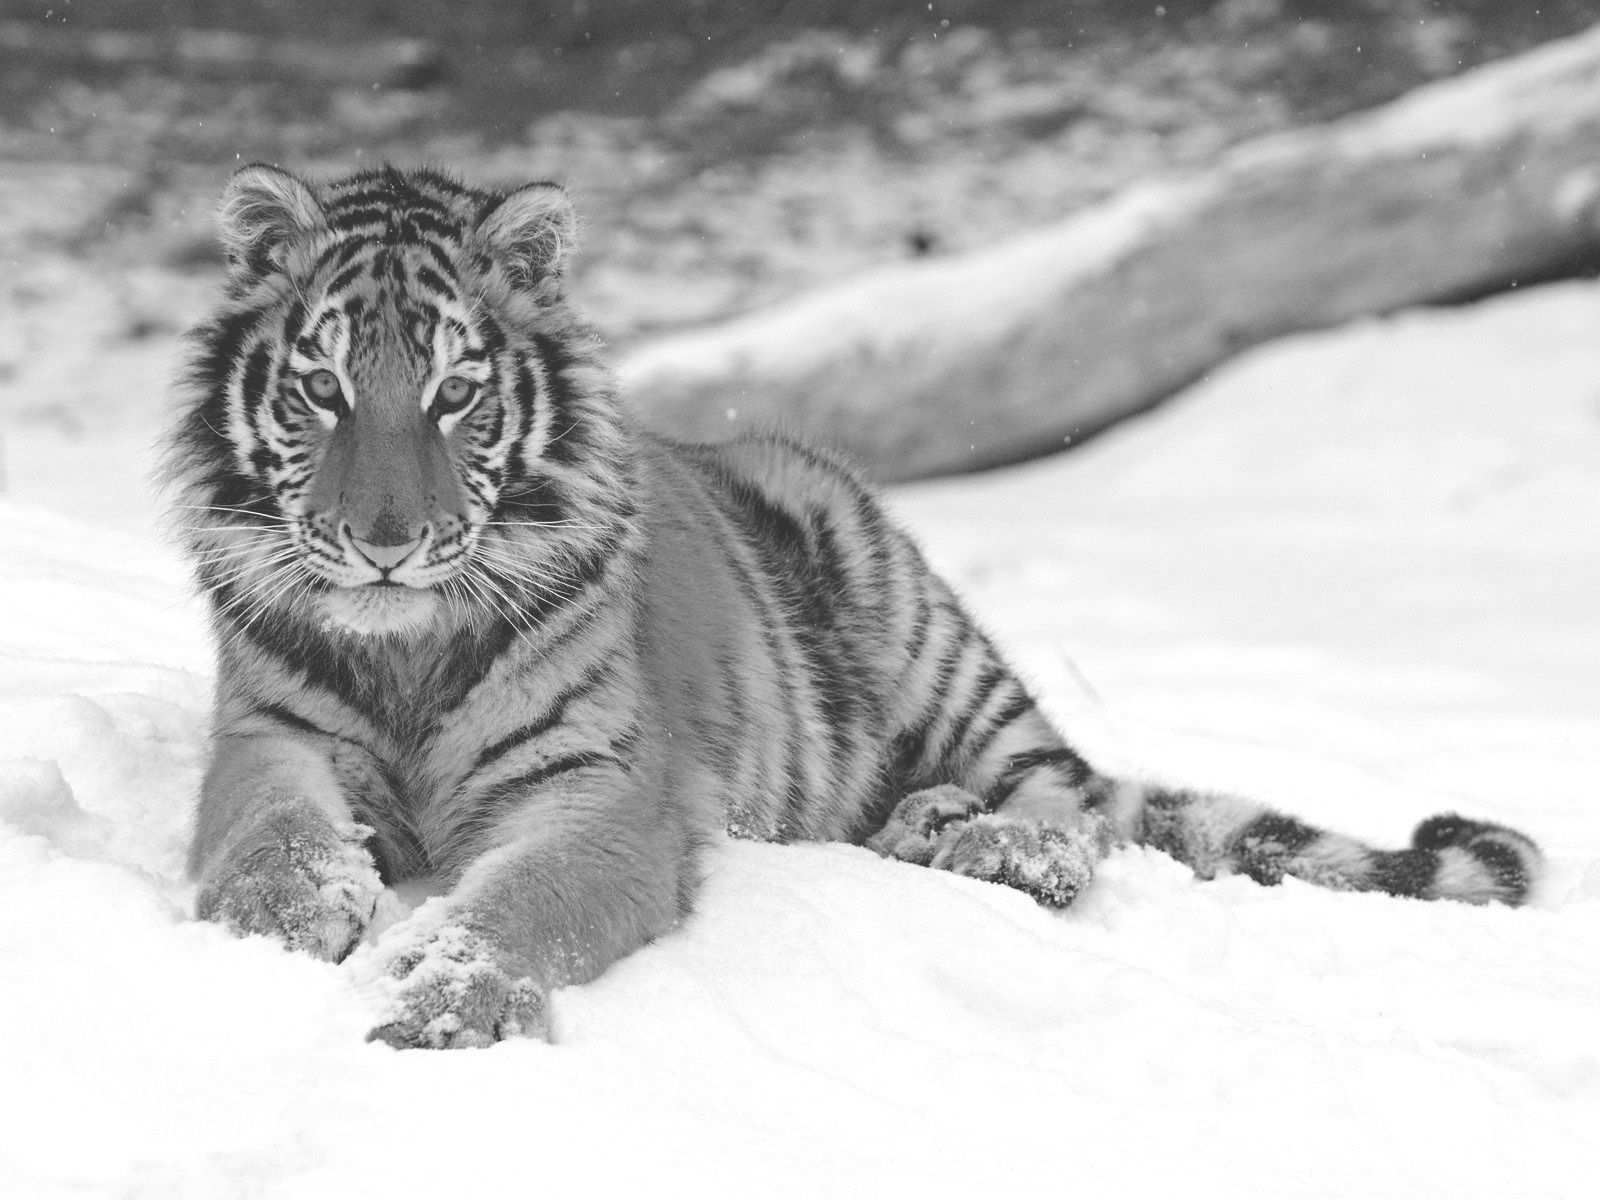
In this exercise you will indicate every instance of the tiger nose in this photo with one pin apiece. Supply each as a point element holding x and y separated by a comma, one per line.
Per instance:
<point>386,554</point>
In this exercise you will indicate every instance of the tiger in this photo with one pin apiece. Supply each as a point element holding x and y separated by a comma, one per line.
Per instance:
<point>475,623</point>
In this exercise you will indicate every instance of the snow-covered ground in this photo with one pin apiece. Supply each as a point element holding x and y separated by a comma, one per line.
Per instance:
<point>1356,573</point>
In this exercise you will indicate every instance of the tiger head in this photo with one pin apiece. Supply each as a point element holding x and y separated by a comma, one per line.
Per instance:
<point>396,419</point>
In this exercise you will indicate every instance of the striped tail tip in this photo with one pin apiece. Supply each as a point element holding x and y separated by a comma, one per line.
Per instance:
<point>1476,861</point>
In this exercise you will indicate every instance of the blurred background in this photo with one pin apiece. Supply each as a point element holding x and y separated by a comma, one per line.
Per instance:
<point>727,155</point>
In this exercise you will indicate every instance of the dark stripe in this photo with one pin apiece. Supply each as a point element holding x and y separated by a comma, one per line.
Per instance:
<point>305,654</point>
<point>566,440</point>
<point>492,420</point>
<point>552,717</point>
<point>202,450</point>
<point>1015,709</point>
<point>990,678</point>
<point>1403,872</point>
<point>909,751</point>
<point>420,224</point>
<point>470,660</point>
<point>293,318</point>
<point>479,488</point>
<point>265,461</point>
<point>339,254</point>
<point>626,742</point>
<point>502,795</point>
<point>391,192</point>
<point>441,259</point>
<point>919,626</point>
<point>791,822</point>
<point>949,662</point>
<point>880,549</point>
<point>310,342</point>
<point>1445,829</point>
<point>537,499</point>
<point>256,368</point>
<point>435,282</point>
<point>346,277</point>
<point>361,678</point>
<point>1508,866</point>
<point>831,596</point>
<point>1262,848</point>
<point>905,771</point>
<point>350,219</point>
<point>287,716</point>
<point>1021,765</point>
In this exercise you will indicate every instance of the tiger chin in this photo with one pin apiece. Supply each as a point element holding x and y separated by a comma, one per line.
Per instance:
<point>378,610</point>
<point>475,623</point>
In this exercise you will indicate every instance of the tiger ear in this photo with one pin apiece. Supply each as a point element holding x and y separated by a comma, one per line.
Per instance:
<point>262,211</point>
<point>532,231</point>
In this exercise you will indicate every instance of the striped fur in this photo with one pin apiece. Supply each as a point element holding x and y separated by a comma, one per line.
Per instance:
<point>532,649</point>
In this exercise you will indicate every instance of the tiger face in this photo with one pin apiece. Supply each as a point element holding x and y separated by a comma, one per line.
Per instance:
<point>401,389</point>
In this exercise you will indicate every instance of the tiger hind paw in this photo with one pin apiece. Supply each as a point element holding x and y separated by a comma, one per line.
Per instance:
<point>922,822</point>
<point>1049,863</point>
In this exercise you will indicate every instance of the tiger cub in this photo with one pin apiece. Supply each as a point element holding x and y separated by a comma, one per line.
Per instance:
<point>474,623</point>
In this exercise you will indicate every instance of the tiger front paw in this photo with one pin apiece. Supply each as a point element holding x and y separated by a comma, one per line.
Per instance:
<point>451,991</point>
<point>315,893</point>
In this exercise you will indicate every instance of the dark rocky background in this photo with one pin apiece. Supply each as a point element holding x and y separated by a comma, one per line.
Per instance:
<point>729,156</point>
<point>725,153</point>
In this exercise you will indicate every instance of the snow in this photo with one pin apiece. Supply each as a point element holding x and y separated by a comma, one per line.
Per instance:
<point>1353,573</point>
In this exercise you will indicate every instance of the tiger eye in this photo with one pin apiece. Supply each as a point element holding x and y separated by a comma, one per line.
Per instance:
<point>454,394</point>
<point>322,388</point>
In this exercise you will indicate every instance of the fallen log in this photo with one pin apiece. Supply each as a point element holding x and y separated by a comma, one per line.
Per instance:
<point>1461,187</point>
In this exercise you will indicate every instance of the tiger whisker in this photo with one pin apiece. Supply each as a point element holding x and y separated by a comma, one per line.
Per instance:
<point>296,572</point>
<point>247,559</point>
<point>558,525</point>
<point>496,599</point>
<point>236,511</point>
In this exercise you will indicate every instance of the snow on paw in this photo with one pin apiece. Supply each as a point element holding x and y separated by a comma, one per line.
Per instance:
<point>451,992</point>
<point>922,822</point>
<point>315,895</point>
<point>1048,863</point>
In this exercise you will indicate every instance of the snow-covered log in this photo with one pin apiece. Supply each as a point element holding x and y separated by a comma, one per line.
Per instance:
<point>1460,187</point>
